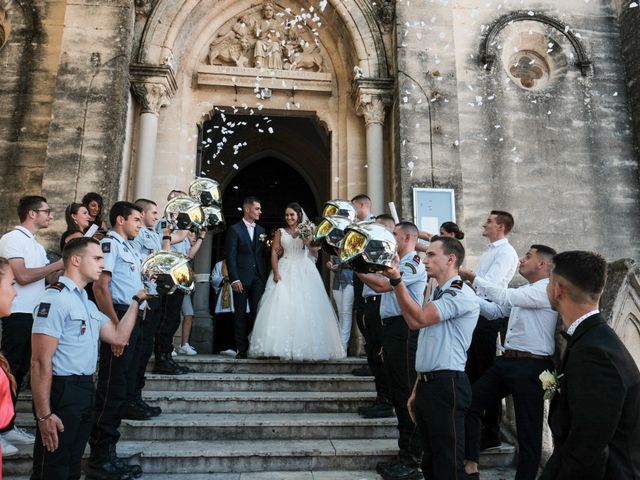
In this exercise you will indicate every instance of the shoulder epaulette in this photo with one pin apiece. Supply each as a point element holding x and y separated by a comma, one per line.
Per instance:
<point>416,258</point>
<point>457,284</point>
<point>412,267</point>
<point>59,286</point>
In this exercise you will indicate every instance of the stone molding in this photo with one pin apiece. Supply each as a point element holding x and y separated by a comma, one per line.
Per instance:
<point>371,96</point>
<point>153,86</point>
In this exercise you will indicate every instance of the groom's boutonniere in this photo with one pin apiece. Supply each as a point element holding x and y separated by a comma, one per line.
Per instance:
<point>262,237</point>
<point>550,383</point>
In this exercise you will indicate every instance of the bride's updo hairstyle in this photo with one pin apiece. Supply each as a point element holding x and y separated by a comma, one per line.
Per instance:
<point>296,208</point>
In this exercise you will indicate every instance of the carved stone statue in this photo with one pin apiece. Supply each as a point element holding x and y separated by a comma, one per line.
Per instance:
<point>269,37</point>
<point>263,40</point>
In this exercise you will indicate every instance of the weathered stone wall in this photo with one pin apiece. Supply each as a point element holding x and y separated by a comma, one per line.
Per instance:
<point>88,128</point>
<point>559,158</point>
<point>629,20</point>
<point>29,62</point>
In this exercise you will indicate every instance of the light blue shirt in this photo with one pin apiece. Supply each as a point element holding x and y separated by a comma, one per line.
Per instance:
<point>444,346</point>
<point>414,277</point>
<point>66,313</point>
<point>147,242</point>
<point>123,262</point>
<point>182,247</point>
<point>367,291</point>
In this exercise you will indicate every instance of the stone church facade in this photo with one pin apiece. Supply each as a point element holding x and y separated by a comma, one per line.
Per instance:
<point>529,106</point>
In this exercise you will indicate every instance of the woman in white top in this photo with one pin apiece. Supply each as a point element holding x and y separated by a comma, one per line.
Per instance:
<point>295,320</point>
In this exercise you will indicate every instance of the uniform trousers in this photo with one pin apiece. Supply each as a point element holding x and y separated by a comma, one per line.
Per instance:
<point>171,306</point>
<point>440,407</point>
<point>373,346</point>
<point>243,321</point>
<point>16,347</point>
<point>112,389</point>
<point>358,305</point>
<point>399,345</point>
<point>480,357</point>
<point>517,377</point>
<point>148,331</point>
<point>72,400</point>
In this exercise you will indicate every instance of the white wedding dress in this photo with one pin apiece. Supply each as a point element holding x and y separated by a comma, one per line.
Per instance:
<point>296,320</point>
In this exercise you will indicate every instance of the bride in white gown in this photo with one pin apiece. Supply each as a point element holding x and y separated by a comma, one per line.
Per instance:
<point>295,320</point>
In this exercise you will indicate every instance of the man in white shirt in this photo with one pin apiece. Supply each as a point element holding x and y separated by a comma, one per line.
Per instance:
<point>497,265</point>
<point>529,345</point>
<point>30,266</point>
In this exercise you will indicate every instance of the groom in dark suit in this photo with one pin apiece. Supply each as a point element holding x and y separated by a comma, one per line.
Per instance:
<point>245,262</point>
<point>595,415</point>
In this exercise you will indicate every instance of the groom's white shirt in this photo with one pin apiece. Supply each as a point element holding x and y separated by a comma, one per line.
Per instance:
<point>251,228</point>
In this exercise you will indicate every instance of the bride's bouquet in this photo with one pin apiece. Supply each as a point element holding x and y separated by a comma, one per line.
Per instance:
<point>305,229</point>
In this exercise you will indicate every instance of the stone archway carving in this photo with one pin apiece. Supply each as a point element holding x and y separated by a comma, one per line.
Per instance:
<point>5,27</point>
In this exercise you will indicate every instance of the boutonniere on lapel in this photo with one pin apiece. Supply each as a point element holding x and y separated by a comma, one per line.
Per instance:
<point>550,383</point>
<point>262,237</point>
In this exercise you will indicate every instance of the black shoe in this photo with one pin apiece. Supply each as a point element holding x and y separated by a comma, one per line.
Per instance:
<point>402,471</point>
<point>104,469</point>
<point>489,443</point>
<point>164,365</point>
<point>154,411</point>
<point>382,467</point>
<point>363,371</point>
<point>473,476</point>
<point>378,410</point>
<point>241,356</point>
<point>136,411</point>
<point>133,471</point>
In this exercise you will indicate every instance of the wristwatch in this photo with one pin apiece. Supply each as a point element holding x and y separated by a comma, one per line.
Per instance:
<point>395,281</point>
<point>137,299</point>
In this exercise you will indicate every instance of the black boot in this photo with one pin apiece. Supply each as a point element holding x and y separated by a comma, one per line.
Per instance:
<point>102,468</point>
<point>137,411</point>
<point>133,471</point>
<point>165,365</point>
<point>154,411</point>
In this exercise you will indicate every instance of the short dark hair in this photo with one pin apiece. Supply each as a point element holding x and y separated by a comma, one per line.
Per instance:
<point>75,246</point>
<point>585,271</point>
<point>361,198</point>
<point>144,203</point>
<point>451,246</point>
<point>248,201</point>
<point>504,218</point>
<point>547,252</point>
<point>451,227</point>
<point>28,204</point>
<point>386,217</point>
<point>408,227</point>
<point>122,209</point>
<point>295,206</point>
<point>387,221</point>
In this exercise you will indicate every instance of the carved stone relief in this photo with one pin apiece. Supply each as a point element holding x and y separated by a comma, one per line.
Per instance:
<point>144,7</point>
<point>5,27</point>
<point>266,39</point>
<point>152,96</point>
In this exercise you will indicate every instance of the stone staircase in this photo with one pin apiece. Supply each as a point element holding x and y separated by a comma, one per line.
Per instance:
<point>258,420</point>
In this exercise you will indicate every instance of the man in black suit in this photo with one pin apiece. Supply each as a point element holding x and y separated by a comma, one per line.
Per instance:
<point>595,414</point>
<point>244,254</point>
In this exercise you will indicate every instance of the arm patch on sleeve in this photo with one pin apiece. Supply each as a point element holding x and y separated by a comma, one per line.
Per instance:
<point>413,268</point>
<point>106,247</point>
<point>43,310</point>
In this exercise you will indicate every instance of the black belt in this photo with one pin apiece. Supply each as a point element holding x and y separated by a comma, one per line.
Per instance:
<point>389,320</point>
<point>430,376</point>
<point>73,378</point>
<point>521,354</point>
<point>372,299</point>
<point>123,308</point>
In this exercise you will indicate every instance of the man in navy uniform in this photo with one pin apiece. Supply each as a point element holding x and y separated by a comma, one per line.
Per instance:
<point>399,349</point>
<point>244,255</point>
<point>442,393</point>
<point>118,282</point>
<point>65,335</point>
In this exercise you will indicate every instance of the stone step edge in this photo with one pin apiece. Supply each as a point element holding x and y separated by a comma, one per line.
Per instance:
<point>224,359</point>
<point>260,377</point>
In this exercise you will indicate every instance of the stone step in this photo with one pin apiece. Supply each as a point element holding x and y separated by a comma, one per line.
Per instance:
<point>487,474</point>
<point>252,426</point>
<point>233,456</point>
<point>243,402</point>
<point>225,382</point>
<point>225,364</point>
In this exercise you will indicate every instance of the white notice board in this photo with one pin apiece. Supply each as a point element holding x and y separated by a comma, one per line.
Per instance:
<point>432,207</point>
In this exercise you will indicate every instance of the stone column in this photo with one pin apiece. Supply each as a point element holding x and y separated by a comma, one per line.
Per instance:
<point>371,96</point>
<point>373,111</point>
<point>153,86</point>
<point>152,97</point>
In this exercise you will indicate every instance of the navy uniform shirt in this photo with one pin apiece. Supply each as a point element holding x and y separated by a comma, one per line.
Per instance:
<point>444,346</point>
<point>123,262</point>
<point>66,313</point>
<point>414,277</point>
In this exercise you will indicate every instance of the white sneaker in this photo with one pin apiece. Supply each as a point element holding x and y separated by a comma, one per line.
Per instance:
<point>19,436</point>
<point>174,353</point>
<point>186,349</point>
<point>229,353</point>
<point>7,449</point>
